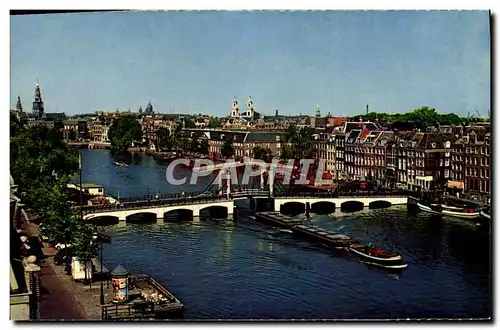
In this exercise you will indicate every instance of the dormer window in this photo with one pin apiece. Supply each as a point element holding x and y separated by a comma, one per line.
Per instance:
<point>433,144</point>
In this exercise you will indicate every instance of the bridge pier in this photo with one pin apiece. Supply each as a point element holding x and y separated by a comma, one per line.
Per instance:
<point>159,220</point>
<point>122,222</point>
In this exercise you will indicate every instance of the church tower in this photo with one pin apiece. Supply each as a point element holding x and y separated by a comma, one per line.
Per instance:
<point>38,110</point>
<point>318,112</point>
<point>149,109</point>
<point>235,110</point>
<point>19,106</point>
<point>249,113</point>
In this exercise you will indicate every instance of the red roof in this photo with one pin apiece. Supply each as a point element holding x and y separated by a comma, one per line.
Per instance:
<point>364,133</point>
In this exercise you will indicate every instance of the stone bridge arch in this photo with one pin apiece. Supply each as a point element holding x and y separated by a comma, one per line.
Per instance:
<point>323,207</point>
<point>352,206</point>
<point>293,207</point>
<point>178,214</point>
<point>104,220</point>
<point>141,216</point>
<point>216,211</point>
<point>379,204</point>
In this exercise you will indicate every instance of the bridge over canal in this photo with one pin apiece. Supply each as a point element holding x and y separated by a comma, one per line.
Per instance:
<point>190,206</point>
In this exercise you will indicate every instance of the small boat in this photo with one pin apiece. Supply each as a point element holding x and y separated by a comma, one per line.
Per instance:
<point>485,215</point>
<point>428,209</point>
<point>377,257</point>
<point>120,164</point>
<point>465,213</point>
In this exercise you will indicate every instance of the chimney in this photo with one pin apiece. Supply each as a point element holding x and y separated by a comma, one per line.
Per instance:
<point>276,112</point>
<point>367,109</point>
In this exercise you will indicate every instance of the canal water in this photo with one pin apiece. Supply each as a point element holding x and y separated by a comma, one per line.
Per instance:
<point>240,269</point>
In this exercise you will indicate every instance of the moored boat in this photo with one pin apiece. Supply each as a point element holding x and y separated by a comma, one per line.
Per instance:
<point>465,213</point>
<point>429,209</point>
<point>377,257</point>
<point>485,215</point>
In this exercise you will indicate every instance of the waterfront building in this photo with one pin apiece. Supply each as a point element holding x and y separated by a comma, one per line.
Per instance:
<point>428,160</point>
<point>339,142</point>
<point>470,163</point>
<point>74,129</point>
<point>365,154</point>
<point>98,131</point>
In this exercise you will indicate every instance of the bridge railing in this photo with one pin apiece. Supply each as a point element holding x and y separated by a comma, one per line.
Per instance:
<point>185,200</point>
<point>337,194</point>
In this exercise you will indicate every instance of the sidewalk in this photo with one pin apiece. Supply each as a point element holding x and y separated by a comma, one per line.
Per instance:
<point>83,300</point>
<point>56,303</point>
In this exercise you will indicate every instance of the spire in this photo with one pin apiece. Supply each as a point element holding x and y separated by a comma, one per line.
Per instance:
<point>149,109</point>
<point>140,110</point>
<point>38,110</point>
<point>318,112</point>
<point>19,106</point>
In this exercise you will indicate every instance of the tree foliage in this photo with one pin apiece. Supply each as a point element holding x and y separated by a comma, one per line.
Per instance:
<point>214,123</point>
<point>123,132</point>
<point>204,147</point>
<point>41,165</point>
<point>227,149</point>
<point>189,123</point>
<point>418,118</point>
<point>262,153</point>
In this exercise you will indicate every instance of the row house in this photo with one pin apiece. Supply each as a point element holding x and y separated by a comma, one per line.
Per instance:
<point>426,159</point>
<point>340,139</point>
<point>365,154</point>
<point>324,144</point>
<point>470,163</point>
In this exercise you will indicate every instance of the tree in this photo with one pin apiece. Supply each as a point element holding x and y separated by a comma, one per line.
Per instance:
<point>41,165</point>
<point>123,132</point>
<point>262,153</point>
<point>227,149</point>
<point>165,140</point>
<point>204,147</point>
<point>194,145</point>
<point>286,152</point>
<point>214,122</point>
<point>189,123</point>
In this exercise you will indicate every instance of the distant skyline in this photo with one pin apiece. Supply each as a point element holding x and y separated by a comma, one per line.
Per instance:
<point>196,62</point>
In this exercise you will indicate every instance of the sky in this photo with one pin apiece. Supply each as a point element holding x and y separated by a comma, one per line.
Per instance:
<point>196,62</point>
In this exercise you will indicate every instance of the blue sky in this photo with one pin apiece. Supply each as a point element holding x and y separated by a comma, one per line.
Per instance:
<point>191,62</point>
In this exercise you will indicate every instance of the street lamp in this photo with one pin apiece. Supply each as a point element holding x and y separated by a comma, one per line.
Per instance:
<point>101,297</point>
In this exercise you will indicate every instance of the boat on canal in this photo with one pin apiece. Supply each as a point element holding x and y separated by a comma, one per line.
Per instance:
<point>463,212</point>
<point>485,214</point>
<point>120,164</point>
<point>372,255</point>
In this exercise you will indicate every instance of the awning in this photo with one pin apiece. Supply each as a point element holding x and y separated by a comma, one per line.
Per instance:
<point>425,178</point>
<point>455,184</point>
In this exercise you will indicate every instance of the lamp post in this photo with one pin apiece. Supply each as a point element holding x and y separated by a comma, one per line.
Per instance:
<point>101,297</point>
